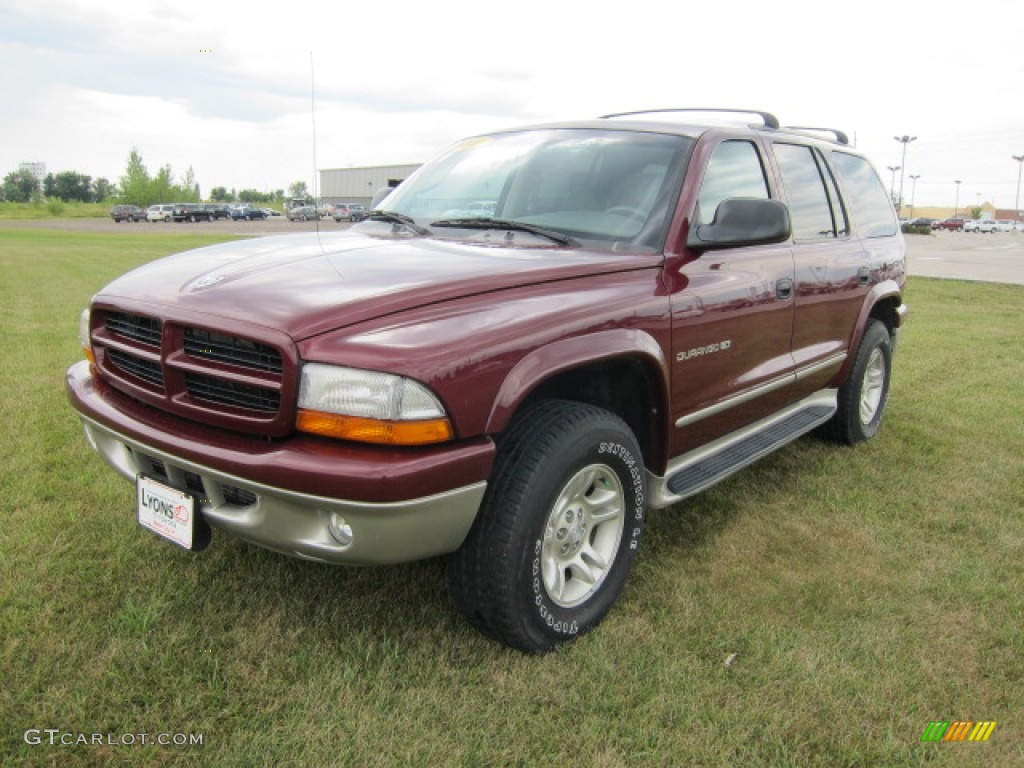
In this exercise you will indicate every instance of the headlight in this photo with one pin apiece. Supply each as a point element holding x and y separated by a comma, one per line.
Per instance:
<point>83,336</point>
<point>369,407</point>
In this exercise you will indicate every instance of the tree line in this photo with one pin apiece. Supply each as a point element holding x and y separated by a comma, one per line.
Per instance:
<point>137,187</point>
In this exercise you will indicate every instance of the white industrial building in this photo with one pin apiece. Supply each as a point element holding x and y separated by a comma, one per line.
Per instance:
<point>359,185</point>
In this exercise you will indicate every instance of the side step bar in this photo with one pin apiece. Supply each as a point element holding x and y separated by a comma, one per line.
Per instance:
<point>699,469</point>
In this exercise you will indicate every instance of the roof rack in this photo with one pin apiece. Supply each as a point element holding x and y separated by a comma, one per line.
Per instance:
<point>841,137</point>
<point>770,120</point>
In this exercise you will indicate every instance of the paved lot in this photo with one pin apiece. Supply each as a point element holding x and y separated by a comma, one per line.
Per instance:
<point>997,258</point>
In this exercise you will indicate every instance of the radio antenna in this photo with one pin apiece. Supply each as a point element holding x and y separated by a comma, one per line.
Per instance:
<point>312,113</point>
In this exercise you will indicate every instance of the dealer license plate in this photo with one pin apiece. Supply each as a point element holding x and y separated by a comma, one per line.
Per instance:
<point>166,511</point>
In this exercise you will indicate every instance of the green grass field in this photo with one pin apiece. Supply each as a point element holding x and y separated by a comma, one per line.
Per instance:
<point>859,593</point>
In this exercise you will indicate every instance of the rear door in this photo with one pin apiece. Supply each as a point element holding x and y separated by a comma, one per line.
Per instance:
<point>832,270</point>
<point>732,317</point>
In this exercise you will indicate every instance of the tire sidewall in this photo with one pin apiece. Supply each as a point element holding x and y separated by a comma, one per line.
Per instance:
<point>548,622</point>
<point>876,337</point>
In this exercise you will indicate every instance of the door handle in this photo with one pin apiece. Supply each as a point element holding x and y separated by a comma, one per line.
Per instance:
<point>783,289</point>
<point>863,275</point>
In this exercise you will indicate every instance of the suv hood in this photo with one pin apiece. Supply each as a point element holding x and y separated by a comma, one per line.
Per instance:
<point>305,285</point>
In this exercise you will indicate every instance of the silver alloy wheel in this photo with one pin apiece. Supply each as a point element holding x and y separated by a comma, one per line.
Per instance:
<point>872,386</point>
<point>582,535</point>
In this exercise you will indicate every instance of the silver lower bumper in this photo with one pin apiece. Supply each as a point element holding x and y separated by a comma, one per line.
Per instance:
<point>298,524</point>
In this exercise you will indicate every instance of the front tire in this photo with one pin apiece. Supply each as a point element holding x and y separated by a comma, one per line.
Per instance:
<point>863,395</point>
<point>558,530</point>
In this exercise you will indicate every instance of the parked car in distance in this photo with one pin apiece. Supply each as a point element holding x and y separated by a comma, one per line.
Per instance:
<point>159,213</point>
<point>981,225</point>
<point>271,212</point>
<point>922,223</point>
<point>247,213</point>
<point>349,212</point>
<point>955,224</point>
<point>131,213</point>
<point>192,212</point>
<point>303,213</point>
<point>1007,225</point>
<point>217,210</point>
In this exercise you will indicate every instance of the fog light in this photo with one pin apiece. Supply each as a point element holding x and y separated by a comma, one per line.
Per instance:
<point>340,530</point>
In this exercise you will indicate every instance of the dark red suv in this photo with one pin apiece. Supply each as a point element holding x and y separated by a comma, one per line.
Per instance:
<point>547,333</point>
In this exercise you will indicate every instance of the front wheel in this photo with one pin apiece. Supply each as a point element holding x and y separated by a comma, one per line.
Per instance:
<point>558,530</point>
<point>863,395</point>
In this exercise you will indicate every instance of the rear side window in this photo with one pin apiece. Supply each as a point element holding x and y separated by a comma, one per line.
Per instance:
<point>809,205</point>
<point>865,195</point>
<point>734,170</point>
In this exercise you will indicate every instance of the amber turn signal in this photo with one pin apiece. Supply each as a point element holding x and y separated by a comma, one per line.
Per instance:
<point>374,431</point>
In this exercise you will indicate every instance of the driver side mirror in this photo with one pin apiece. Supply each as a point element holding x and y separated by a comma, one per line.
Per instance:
<point>742,221</point>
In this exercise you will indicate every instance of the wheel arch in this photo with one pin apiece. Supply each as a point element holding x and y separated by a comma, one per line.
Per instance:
<point>885,304</point>
<point>623,371</point>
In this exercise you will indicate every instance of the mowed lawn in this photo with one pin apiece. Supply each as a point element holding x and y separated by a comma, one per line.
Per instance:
<point>819,609</point>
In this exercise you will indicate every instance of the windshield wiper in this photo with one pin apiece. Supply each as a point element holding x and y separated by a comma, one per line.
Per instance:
<point>515,226</point>
<point>398,218</point>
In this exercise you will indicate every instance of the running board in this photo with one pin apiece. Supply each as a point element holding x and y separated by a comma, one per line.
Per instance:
<point>697,470</point>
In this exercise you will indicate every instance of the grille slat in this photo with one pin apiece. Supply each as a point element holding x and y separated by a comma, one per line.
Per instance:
<point>232,393</point>
<point>146,370</point>
<point>142,329</point>
<point>231,349</point>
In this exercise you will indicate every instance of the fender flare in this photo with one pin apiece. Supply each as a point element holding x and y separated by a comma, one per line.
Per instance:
<point>566,354</point>
<point>887,289</point>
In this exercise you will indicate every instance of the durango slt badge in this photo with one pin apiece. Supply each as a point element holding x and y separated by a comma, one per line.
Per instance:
<point>710,349</point>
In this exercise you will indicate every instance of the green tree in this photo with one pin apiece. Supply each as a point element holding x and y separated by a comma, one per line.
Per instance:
<point>102,189</point>
<point>221,195</point>
<point>69,186</point>
<point>21,186</point>
<point>298,189</point>
<point>50,186</point>
<point>135,184</point>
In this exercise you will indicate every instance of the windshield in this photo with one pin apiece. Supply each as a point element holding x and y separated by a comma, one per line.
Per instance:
<point>606,189</point>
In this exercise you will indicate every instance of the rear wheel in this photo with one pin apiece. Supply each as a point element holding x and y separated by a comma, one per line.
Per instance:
<point>558,530</point>
<point>863,395</point>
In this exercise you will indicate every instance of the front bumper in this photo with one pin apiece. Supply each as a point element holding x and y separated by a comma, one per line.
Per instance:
<point>286,516</point>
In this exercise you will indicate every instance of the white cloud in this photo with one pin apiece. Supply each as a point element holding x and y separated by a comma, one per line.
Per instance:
<point>225,86</point>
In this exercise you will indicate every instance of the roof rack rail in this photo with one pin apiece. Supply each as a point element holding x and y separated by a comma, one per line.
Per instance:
<point>770,120</point>
<point>841,137</point>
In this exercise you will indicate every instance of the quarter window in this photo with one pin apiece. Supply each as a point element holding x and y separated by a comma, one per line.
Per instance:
<point>809,207</point>
<point>869,202</point>
<point>734,170</point>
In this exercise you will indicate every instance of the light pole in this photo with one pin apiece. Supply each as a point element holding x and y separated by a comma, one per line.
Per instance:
<point>913,192</point>
<point>1020,164</point>
<point>892,184</point>
<point>956,205</point>
<point>904,140</point>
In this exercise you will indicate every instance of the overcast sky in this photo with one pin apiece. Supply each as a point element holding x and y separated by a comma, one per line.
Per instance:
<point>225,87</point>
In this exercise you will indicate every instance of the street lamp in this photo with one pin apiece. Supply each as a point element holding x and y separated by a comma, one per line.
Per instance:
<point>956,205</point>
<point>913,191</point>
<point>904,140</point>
<point>1020,164</point>
<point>892,184</point>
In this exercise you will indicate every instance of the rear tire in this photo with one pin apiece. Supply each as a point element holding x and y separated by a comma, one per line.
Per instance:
<point>863,395</point>
<point>558,529</point>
